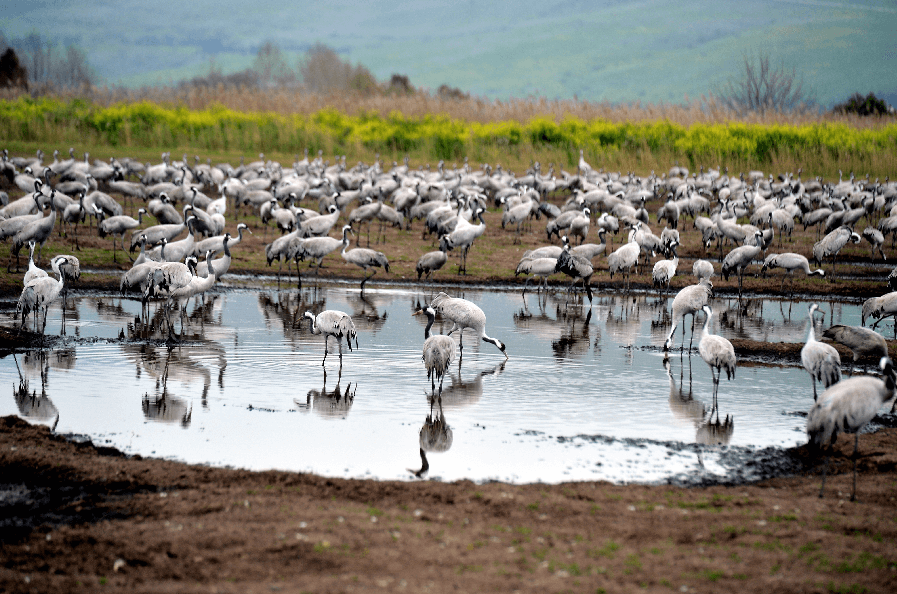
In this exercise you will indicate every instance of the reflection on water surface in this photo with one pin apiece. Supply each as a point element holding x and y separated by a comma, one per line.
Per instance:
<point>579,383</point>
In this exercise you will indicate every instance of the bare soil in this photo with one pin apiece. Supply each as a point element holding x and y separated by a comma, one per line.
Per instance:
<point>76,518</point>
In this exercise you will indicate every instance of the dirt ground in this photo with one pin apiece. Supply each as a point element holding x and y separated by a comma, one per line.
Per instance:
<point>75,518</point>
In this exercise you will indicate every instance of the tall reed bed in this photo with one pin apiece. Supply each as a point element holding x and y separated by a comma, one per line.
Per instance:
<point>428,129</point>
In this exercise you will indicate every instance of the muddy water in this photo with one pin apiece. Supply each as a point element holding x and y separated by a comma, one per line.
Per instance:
<point>585,394</point>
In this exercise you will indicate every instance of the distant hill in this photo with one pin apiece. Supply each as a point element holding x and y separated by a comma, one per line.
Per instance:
<point>650,51</point>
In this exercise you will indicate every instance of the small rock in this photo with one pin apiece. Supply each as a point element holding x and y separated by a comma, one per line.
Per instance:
<point>119,564</point>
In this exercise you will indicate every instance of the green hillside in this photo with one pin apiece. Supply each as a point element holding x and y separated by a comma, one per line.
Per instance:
<point>651,51</point>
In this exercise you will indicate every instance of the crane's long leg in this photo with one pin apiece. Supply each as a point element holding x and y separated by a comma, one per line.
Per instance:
<point>339,343</point>
<point>326,337</point>
<point>824,469</point>
<point>814,387</point>
<point>856,446</point>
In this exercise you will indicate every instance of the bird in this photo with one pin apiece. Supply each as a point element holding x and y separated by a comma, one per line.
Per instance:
<point>366,259</point>
<point>38,295</point>
<point>876,240</point>
<point>463,237</point>
<point>431,262</point>
<point>740,258</point>
<point>862,342</point>
<point>74,214</point>
<point>846,407</point>
<point>536,267</point>
<point>689,300</point>
<point>577,268</point>
<point>317,248</point>
<point>718,353</point>
<point>790,262</point>
<point>821,360</point>
<point>702,269</point>
<point>438,350</point>
<point>38,231</point>
<point>219,266</point>
<point>119,225</point>
<point>880,308</point>
<point>319,226</point>
<point>197,286</point>
<point>664,270</point>
<point>831,244</point>
<point>33,271</point>
<point>216,243</point>
<point>331,322</point>
<point>623,259</point>
<point>464,314</point>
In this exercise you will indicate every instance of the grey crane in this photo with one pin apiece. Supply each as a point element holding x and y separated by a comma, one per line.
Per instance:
<point>216,243</point>
<point>337,324</point>
<point>33,271</point>
<point>156,233</point>
<point>880,308</point>
<point>664,271</point>
<point>138,279</point>
<point>831,244</point>
<point>321,225</point>
<point>38,295</point>
<point>862,342</point>
<point>463,237</point>
<point>846,407</point>
<point>740,258</point>
<point>219,266</point>
<point>197,286</point>
<point>74,214</point>
<point>317,248</point>
<point>431,262</point>
<point>38,231</point>
<point>821,360</point>
<point>364,258</point>
<point>464,314</point>
<point>588,250</point>
<point>790,262</point>
<point>718,353</point>
<point>438,350</point>
<point>876,240</point>
<point>577,268</point>
<point>517,215</point>
<point>176,251</point>
<point>366,213</point>
<point>540,268</point>
<point>548,251</point>
<point>623,259</point>
<point>688,301</point>
<point>702,269</point>
<point>119,225</point>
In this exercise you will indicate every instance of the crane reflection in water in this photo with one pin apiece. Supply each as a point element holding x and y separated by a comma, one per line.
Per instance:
<point>686,408</point>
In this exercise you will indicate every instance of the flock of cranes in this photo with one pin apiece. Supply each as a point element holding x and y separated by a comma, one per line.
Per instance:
<point>306,201</point>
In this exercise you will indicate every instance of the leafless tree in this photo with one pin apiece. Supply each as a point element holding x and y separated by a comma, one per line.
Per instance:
<point>324,71</point>
<point>763,86</point>
<point>271,66</point>
<point>48,66</point>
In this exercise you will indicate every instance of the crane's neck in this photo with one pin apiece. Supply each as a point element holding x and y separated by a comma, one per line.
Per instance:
<point>226,247</point>
<point>706,329</point>
<point>312,323</point>
<point>430,319</point>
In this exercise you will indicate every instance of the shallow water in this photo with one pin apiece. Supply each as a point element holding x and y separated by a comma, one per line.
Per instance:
<point>247,388</point>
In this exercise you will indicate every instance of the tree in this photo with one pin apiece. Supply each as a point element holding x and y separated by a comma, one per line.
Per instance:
<point>323,71</point>
<point>762,87</point>
<point>46,65</point>
<point>271,67</point>
<point>870,105</point>
<point>12,73</point>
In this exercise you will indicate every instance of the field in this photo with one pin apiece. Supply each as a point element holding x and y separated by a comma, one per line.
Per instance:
<point>87,519</point>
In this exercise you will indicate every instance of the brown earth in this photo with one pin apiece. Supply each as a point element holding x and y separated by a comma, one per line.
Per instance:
<point>76,518</point>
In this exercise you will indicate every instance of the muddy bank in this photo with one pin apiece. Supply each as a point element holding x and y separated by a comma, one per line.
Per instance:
<point>80,518</point>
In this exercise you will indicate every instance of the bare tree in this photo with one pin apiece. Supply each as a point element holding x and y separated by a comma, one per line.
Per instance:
<point>271,66</point>
<point>324,71</point>
<point>762,86</point>
<point>47,66</point>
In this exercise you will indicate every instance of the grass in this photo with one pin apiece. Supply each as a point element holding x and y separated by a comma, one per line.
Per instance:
<point>514,134</point>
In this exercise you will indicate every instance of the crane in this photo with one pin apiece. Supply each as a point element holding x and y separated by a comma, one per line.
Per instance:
<point>464,314</point>
<point>337,324</point>
<point>821,360</point>
<point>846,407</point>
<point>438,350</point>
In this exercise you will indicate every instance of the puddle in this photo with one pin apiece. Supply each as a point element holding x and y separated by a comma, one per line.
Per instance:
<point>578,399</point>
